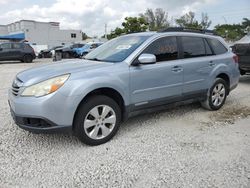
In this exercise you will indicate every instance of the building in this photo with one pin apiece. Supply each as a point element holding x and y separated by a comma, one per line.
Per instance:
<point>39,33</point>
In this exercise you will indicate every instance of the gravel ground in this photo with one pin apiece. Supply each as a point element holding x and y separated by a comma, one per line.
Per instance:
<point>182,147</point>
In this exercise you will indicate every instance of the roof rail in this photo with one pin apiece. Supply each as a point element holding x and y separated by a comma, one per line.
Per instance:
<point>191,30</point>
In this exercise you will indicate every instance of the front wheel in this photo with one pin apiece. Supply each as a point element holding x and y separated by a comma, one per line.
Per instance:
<point>216,95</point>
<point>97,120</point>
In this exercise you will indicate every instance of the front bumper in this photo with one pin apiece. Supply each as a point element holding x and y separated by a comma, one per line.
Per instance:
<point>51,113</point>
<point>38,124</point>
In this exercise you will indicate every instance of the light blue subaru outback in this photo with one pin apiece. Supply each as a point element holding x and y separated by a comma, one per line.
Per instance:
<point>126,76</point>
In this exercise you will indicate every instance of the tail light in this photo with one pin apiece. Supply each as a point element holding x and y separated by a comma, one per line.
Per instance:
<point>236,58</point>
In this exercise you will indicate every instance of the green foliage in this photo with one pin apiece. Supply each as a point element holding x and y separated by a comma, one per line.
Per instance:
<point>230,32</point>
<point>134,25</point>
<point>188,21</point>
<point>117,32</point>
<point>130,25</point>
<point>156,20</point>
<point>246,24</point>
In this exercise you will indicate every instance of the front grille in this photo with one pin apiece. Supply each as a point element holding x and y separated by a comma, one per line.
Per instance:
<point>17,83</point>
<point>15,90</point>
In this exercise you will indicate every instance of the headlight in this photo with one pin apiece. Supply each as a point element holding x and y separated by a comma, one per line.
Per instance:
<point>46,87</point>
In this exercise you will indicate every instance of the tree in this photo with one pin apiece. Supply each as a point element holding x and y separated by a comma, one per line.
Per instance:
<point>117,32</point>
<point>134,24</point>
<point>84,36</point>
<point>246,22</point>
<point>156,20</point>
<point>230,32</point>
<point>246,25</point>
<point>205,22</point>
<point>188,21</point>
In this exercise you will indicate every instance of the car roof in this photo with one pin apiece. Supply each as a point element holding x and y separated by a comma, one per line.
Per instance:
<point>174,33</point>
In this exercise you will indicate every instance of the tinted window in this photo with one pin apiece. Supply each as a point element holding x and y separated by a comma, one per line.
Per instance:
<point>217,47</point>
<point>164,49</point>
<point>16,45</point>
<point>6,46</point>
<point>193,47</point>
<point>242,49</point>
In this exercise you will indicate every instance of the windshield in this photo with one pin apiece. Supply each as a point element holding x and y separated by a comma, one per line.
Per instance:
<point>117,49</point>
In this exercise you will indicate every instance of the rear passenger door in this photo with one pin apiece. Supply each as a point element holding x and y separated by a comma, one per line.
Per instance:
<point>16,50</point>
<point>159,83</point>
<point>196,65</point>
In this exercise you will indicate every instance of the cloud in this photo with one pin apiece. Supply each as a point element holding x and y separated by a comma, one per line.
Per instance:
<point>91,16</point>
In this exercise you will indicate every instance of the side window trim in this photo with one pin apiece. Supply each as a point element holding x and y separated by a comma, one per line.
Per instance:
<point>180,47</point>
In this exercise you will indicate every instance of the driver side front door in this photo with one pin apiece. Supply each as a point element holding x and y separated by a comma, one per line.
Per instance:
<point>160,83</point>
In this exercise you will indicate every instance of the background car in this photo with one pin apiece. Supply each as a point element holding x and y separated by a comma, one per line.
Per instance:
<point>66,52</point>
<point>16,51</point>
<point>243,53</point>
<point>48,53</point>
<point>80,52</point>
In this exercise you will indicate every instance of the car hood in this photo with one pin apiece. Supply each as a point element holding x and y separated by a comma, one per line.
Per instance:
<point>44,72</point>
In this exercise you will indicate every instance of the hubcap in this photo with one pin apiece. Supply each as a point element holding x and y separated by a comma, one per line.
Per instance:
<point>99,122</point>
<point>218,94</point>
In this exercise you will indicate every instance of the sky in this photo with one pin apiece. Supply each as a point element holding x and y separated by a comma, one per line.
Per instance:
<point>91,15</point>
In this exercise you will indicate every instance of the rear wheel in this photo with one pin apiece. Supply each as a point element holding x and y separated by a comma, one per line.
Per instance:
<point>217,95</point>
<point>27,58</point>
<point>97,120</point>
<point>242,72</point>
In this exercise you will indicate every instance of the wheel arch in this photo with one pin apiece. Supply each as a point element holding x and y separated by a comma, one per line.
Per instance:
<point>106,91</point>
<point>225,77</point>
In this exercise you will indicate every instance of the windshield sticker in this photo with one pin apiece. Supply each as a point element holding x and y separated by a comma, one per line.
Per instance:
<point>123,47</point>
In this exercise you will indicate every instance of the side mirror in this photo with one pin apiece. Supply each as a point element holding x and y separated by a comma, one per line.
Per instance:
<point>147,59</point>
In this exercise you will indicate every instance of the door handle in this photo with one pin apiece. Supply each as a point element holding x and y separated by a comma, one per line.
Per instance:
<point>211,63</point>
<point>177,69</point>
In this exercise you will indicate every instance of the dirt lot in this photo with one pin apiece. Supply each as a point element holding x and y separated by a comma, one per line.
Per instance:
<point>182,147</point>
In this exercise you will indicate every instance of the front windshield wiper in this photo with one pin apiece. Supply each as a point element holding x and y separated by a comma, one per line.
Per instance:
<point>93,59</point>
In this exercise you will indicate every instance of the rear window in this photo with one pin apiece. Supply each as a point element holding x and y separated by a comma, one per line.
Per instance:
<point>16,45</point>
<point>193,47</point>
<point>242,49</point>
<point>217,46</point>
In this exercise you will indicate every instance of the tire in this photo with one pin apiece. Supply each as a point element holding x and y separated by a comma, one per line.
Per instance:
<point>66,55</point>
<point>89,124</point>
<point>217,95</point>
<point>84,54</point>
<point>27,58</point>
<point>242,72</point>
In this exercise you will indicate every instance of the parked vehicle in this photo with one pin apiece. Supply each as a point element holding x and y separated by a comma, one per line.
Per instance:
<point>48,52</point>
<point>243,52</point>
<point>126,76</point>
<point>11,51</point>
<point>84,50</point>
<point>67,51</point>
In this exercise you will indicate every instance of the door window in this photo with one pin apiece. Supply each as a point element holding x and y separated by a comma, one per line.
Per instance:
<point>6,46</point>
<point>164,49</point>
<point>193,47</point>
<point>16,46</point>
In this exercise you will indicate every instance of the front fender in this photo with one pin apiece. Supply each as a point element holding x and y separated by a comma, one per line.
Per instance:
<point>79,88</point>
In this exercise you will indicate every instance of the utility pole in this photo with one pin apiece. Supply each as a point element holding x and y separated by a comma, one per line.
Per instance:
<point>105,31</point>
